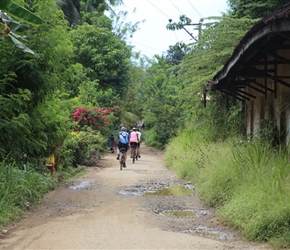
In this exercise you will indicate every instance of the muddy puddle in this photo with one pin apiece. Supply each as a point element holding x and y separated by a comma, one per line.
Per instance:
<point>210,233</point>
<point>171,190</point>
<point>160,189</point>
<point>133,191</point>
<point>173,208</point>
<point>180,213</point>
<point>84,185</point>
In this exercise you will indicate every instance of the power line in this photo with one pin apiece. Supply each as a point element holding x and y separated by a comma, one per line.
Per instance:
<point>146,46</point>
<point>165,8</point>
<point>176,7</point>
<point>146,52</point>
<point>194,8</point>
<point>158,9</point>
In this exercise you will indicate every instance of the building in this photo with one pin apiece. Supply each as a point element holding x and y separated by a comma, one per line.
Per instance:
<point>258,74</point>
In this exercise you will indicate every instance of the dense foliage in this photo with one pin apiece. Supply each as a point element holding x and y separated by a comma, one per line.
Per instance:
<point>75,81</point>
<point>253,9</point>
<point>43,81</point>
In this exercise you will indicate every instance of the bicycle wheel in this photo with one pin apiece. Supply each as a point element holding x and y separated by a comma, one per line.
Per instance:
<point>134,155</point>
<point>121,161</point>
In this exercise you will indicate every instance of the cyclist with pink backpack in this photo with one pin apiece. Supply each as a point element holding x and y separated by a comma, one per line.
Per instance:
<point>134,140</point>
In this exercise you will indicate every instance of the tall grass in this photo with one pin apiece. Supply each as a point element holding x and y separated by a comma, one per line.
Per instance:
<point>248,182</point>
<point>19,190</point>
<point>151,138</point>
<point>203,163</point>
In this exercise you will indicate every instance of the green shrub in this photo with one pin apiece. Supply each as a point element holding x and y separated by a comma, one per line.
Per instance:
<point>151,138</point>
<point>79,147</point>
<point>20,190</point>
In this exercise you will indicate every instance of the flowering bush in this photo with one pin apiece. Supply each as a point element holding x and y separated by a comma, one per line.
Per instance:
<point>82,148</point>
<point>88,142</point>
<point>95,118</point>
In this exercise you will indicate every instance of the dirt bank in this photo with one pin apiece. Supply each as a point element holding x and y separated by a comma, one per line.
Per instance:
<point>107,209</point>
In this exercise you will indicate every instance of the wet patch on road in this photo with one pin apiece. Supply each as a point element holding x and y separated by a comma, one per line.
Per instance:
<point>134,191</point>
<point>211,233</point>
<point>176,205</point>
<point>170,190</point>
<point>180,213</point>
<point>160,189</point>
<point>66,206</point>
<point>82,185</point>
<point>176,211</point>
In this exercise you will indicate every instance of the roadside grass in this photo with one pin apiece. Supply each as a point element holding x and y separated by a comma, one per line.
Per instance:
<point>202,163</point>
<point>22,189</point>
<point>247,182</point>
<point>67,174</point>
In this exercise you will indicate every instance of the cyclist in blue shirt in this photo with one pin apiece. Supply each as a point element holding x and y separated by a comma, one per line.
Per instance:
<point>123,142</point>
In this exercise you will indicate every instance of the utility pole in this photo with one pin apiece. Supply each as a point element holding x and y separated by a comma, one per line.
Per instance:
<point>185,21</point>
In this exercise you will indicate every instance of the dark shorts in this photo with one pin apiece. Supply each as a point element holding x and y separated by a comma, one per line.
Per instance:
<point>121,145</point>
<point>134,144</point>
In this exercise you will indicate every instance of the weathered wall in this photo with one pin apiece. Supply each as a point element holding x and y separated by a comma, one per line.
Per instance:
<point>271,105</point>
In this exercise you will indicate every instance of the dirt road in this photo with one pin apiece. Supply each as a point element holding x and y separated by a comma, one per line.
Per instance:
<point>108,209</point>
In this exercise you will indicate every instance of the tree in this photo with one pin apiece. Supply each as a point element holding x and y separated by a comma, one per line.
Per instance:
<point>104,56</point>
<point>101,5</point>
<point>72,8</point>
<point>176,53</point>
<point>10,28</point>
<point>19,12</point>
<point>253,9</point>
<point>27,83</point>
<point>157,96</point>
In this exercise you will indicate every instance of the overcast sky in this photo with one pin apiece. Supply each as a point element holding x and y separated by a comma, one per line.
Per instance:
<point>153,37</point>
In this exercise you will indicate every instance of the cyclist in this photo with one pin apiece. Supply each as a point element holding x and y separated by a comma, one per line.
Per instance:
<point>123,142</point>
<point>138,145</point>
<point>112,143</point>
<point>134,140</point>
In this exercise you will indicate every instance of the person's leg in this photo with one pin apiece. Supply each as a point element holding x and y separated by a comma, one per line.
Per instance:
<point>118,151</point>
<point>125,154</point>
<point>131,152</point>
<point>125,157</point>
<point>52,170</point>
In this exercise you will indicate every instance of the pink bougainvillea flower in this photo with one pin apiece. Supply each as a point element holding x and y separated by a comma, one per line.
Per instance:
<point>95,117</point>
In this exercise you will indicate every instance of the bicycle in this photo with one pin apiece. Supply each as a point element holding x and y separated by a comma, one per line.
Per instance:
<point>122,161</point>
<point>134,154</point>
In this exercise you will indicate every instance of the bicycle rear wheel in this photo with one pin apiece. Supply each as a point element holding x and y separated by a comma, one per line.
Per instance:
<point>121,161</point>
<point>134,155</point>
